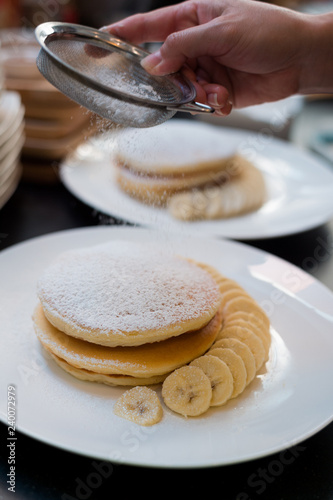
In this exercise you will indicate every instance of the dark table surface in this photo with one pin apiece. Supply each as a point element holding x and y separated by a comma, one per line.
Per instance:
<point>46,472</point>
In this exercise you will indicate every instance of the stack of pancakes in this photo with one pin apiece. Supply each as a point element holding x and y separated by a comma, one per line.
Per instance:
<point>124,313</point>
<point>188,167</point>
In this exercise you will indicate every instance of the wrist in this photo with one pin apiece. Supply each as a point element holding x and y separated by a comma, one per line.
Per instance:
<point>316,75</point>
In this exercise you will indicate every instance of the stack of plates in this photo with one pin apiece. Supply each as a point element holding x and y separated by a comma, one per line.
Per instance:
<point>11,142</point>
<point>54,125</point>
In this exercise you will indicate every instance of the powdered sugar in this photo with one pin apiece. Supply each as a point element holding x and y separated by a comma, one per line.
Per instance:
<point>125,288</point>
<point>116,73</point>
<point>172,146</point>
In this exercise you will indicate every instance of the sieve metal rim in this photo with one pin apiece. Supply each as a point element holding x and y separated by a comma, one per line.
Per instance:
<point>55,29</point>
<point>76,91</point>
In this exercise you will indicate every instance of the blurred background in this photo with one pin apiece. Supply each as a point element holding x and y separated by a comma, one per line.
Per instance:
<point>39,126</point>
<point>29,13</point>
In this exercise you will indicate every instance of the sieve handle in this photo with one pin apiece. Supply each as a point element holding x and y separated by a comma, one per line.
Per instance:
<point>193,107</point>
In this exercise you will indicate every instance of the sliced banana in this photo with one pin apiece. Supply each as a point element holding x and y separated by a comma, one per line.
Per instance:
<point>220,376</point>
<point>249,338</point>
<point>187,391</point>
<point>243,192</point>
<point>257,331</point>
<point>236,366</point>
<point>245,304</point>
<point>140,405</point>
<point>233,293</point>
<point>257,320</point>
<point>243,351</point>
<point>228,284</point>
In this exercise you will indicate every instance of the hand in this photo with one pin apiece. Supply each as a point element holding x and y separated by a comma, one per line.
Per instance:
<point>241,51</point>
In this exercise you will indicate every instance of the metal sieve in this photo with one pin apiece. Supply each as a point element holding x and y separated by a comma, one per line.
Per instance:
<point>103,74</point>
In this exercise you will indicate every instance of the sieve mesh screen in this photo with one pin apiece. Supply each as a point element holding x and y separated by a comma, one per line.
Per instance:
<point>104,74</point>
<point>115,71</point>
<point>131,114</point>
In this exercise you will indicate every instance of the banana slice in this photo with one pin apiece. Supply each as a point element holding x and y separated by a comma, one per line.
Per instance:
<point>249,338</point>
<point>220,377</point>
<point>140,405</point>
<point>236,366</point>
<point>243,351</point>
<point>248,305</point>
<point>257,331</point>
<point>187,391</point>
<point>259,320</point>
<point>231,294</point>
<point>253,319</point>
<point>242,193</point>
<point>228,284</point>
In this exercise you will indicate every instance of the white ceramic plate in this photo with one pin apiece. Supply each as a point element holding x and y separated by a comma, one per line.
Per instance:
<point>8,187</point>
<point>12,148</point>
<point>275,116</point>
<point>289,400</point>
<point>11,114</point>
<point>299,186</point>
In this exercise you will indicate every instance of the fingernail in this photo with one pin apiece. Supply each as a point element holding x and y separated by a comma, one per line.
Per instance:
<point>223,110</point>
<point>220,112</point>
<point>212,100</point>
<point>151,62</point>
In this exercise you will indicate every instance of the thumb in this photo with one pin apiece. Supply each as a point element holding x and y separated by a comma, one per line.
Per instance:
<point>178,48</point>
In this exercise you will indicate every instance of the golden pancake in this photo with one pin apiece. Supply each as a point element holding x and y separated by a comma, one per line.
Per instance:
<point>126,294</point>
<point>157,189</point>
<point>154,164</point>
<point>102,378</point>
<point>176,146</point>
<point>189,167</point>
<point>146,361</point>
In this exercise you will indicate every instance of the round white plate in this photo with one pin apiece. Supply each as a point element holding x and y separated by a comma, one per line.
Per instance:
<point>299,186</point>
<point>9,185</point>
<point>288,401</point>
<point>11,112</point>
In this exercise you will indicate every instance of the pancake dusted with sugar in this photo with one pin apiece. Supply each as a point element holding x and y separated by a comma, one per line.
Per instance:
<point>126,294</point>
<point>173,148</point>
<point>189,168</point>
<point>153,164</point>
<point>135,365</point>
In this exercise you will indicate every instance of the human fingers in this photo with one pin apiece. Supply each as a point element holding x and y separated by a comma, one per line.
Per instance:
<point>218,98</point>
<point>213,94</point>
<point>155,25</point>
<point>216,84</point>
<point>179,47</point>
